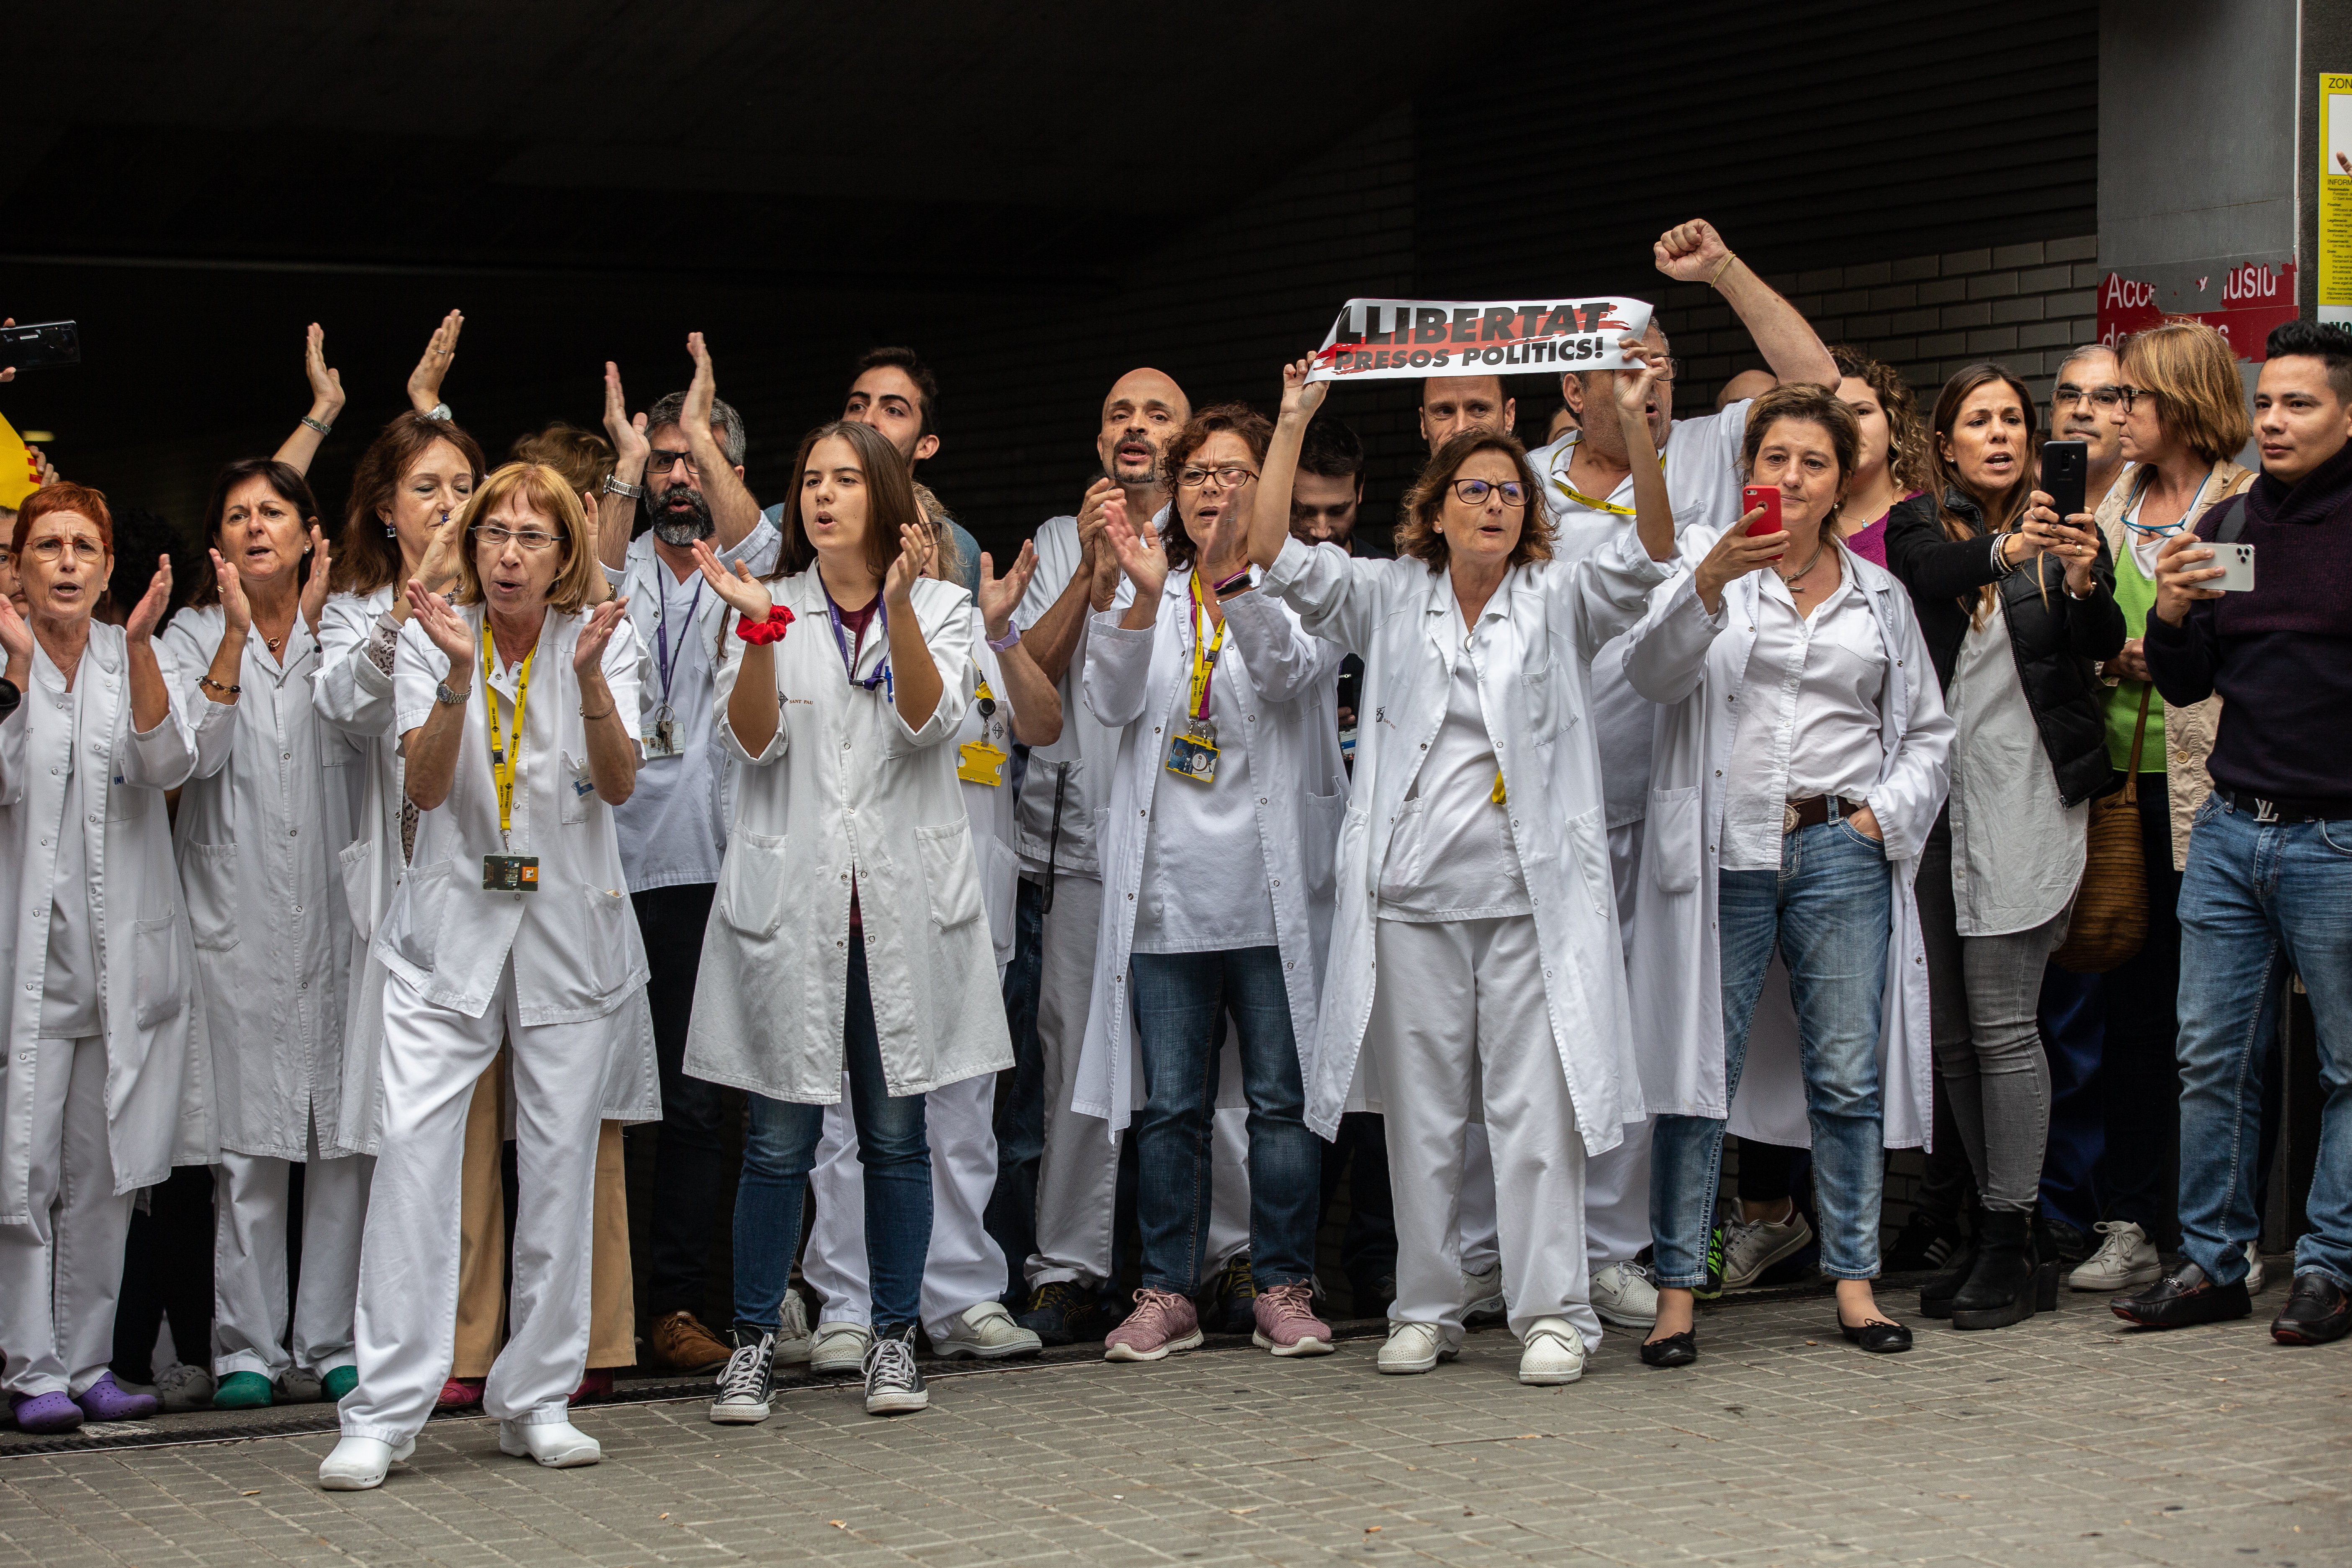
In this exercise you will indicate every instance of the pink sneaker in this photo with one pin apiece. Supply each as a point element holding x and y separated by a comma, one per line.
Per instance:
<point>460,1393</point>
<point>1162,1322</point>
<point>1285,1324</point>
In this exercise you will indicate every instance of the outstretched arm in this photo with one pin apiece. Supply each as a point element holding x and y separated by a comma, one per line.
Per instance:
<point>326,402</point>
<point>1270,519</point>
<point>733,512</point>
<point>1654,516</point>
<point>1693,252</point>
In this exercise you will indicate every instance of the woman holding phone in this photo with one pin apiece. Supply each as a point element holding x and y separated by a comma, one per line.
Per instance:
<point>2019,610</point>
<point>1475,958</point>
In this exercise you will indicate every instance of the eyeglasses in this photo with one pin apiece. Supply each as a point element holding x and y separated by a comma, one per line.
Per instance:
<point>531,539</point>
<point>2128,395</point>
<point>1475,491</point>
<point>1232,477</point>
<point>660,462</point>
<point>2106,397</point>
<point>54,547</point>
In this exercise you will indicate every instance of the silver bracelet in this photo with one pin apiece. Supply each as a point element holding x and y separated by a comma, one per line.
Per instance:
<point>440,411</point>
<point>321,425</point>
<point>616,486</point>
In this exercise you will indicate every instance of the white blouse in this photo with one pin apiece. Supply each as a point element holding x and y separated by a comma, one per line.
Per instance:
<point>1450,857</point>
<point>2017,849</point>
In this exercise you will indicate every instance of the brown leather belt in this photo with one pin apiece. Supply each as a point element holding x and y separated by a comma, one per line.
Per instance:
<point>1810,812</point>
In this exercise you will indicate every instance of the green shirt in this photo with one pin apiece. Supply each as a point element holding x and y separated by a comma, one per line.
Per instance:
<point>2136,595</point>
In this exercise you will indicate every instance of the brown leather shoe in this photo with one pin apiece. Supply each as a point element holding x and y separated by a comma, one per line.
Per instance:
<point>680,1343</point>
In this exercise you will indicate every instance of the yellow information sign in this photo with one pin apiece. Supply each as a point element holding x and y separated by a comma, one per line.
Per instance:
<point>2335,198</point>
<point>19,475</point>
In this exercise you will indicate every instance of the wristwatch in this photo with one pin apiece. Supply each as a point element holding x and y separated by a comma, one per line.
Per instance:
<point>616,486</point>
<point>1011,640</point>
<point>441,693</point>
<point>439,411</point>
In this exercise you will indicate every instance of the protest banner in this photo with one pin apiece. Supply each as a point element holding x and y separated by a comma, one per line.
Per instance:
<point>1376,340</point>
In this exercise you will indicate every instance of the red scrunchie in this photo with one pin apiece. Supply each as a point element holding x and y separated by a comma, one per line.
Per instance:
<point>767,631</point>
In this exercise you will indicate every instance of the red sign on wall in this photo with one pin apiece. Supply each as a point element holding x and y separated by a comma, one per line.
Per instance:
<point>2243,304</point>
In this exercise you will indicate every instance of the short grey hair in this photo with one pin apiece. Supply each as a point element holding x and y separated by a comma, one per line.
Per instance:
<point>2081,351</point>
<point>725,422</point>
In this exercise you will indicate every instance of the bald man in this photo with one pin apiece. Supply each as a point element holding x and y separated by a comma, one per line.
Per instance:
<point>1067,1171</point>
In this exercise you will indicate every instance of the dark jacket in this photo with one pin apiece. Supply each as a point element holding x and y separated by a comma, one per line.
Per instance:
<point>2059,641</point>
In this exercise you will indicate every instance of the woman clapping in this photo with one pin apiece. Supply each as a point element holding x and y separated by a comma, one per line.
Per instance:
<point>511,921</point>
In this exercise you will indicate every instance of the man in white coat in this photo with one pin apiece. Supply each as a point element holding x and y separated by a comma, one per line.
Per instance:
<point>1587,484</point>
<point>673,829</point>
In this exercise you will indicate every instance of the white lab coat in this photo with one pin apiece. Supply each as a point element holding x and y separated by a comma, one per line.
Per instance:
<point>574,944</point>
<point>1535,685</point>
<point>159,1104</point>
<point>1693,665</point>
<point>355,696</point>
<point>1286,681</point>
<point>259,828</point>
<point>846,790</point>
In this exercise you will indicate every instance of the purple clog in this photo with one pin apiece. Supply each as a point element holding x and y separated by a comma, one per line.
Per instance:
<point>103,1401</point>
<point>44,1412</point>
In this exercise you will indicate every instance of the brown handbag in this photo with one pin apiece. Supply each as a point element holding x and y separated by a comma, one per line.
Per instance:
<point>2110,919</point>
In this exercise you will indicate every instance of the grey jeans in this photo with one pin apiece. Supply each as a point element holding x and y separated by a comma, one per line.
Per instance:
<point>1983,996</point>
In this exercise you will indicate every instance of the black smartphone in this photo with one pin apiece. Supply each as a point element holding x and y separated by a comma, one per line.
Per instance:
<point>39,344</point>
<point>2065,472</point>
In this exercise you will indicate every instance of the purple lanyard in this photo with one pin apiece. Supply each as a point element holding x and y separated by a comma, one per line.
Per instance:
<point>849,658</point>
<point>661,631</point>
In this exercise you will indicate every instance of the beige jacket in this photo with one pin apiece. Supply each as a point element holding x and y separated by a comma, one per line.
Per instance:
<point>2187,732</point>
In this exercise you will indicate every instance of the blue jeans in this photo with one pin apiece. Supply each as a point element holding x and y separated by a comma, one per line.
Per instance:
<point>1178,999</point>
<point>1826,910</point>
<point>2258,900</point>
<point>897,1160</point>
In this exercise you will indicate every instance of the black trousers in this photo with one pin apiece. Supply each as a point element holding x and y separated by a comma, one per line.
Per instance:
<point>167,1269</point>
<point>690,1179</point>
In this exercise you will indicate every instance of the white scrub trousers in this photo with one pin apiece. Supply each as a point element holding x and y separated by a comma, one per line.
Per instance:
<point>250,1212</point>
<point>407,1311</point>
<point>61,1274</point>
<point>1078,1174</point>
<point>1472,1023</point>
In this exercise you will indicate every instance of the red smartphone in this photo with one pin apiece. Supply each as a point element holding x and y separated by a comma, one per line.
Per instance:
<point>1768,497</point>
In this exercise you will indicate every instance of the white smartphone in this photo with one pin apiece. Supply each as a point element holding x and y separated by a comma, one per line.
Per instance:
<point>2237,564</point>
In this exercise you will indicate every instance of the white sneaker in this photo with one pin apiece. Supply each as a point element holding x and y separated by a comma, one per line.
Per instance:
<point>558,1445</point>
<point>792,1337</point>
<point>840,1349</point>
<point>2257,1274</point>
<point>185,1387</point>
<point>1554,1353</point>
<point>1623,1295</point>
<point>986,1333</point>
<point>358,1464</point>
<point>1482,1296</point>
<point>1751,1247</point>
<point>1413,1347</point>
<point>2126,1259</point>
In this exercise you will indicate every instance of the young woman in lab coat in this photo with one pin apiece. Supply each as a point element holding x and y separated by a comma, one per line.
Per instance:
<point>849,930</point>
<point>511,922</point>
<point>1476,969</point>
<point>1799,764</point>
<point>257,833</point>
<point>107,1077</point>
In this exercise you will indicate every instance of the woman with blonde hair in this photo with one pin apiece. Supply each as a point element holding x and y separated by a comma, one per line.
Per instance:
<point>511,922</point>
<point>2183,419</point>
<point>2016,607</point>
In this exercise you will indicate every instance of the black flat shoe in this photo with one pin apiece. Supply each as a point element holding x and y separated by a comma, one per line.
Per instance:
<point>2317,1310</point>
<point>1675,1349</point>
<point>2182,1299</point>
<point>1878,1337</point>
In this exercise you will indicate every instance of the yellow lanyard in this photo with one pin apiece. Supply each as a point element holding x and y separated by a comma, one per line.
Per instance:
<point>1204,652</point>
<point>502,761</point>
<point>1560,480</point>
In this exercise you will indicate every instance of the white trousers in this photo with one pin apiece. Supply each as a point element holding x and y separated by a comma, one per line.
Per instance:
<point>1473,1024</point>
<point>407,1311</point>
<point>249,1219</point>
<point>964,1267</point>
<point>1078,1174</point>
<point>61,1274</point>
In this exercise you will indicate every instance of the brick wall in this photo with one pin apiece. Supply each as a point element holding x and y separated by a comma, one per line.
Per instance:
<point>1928,316</point>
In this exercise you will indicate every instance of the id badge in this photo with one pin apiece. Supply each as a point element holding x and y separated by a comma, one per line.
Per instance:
<point>511,873</point>
<point>979,762</point>
<point>1193,756</point>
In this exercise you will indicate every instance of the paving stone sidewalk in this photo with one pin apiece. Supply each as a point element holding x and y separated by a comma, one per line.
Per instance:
<point>2070,1440</point>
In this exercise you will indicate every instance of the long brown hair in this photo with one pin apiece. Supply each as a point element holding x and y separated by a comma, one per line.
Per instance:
<point>1906,432</point>
<point>551,495</point>
<point>2002,512</point>
<point>291,487</point>
<point>890,502</point>
<point>1238,418</point>
<point>1418,534</point>
<point>366,557</point>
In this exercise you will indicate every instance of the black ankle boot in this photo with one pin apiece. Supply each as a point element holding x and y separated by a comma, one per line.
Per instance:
<point>2002,1287</point>
<point>1935,1294</point>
